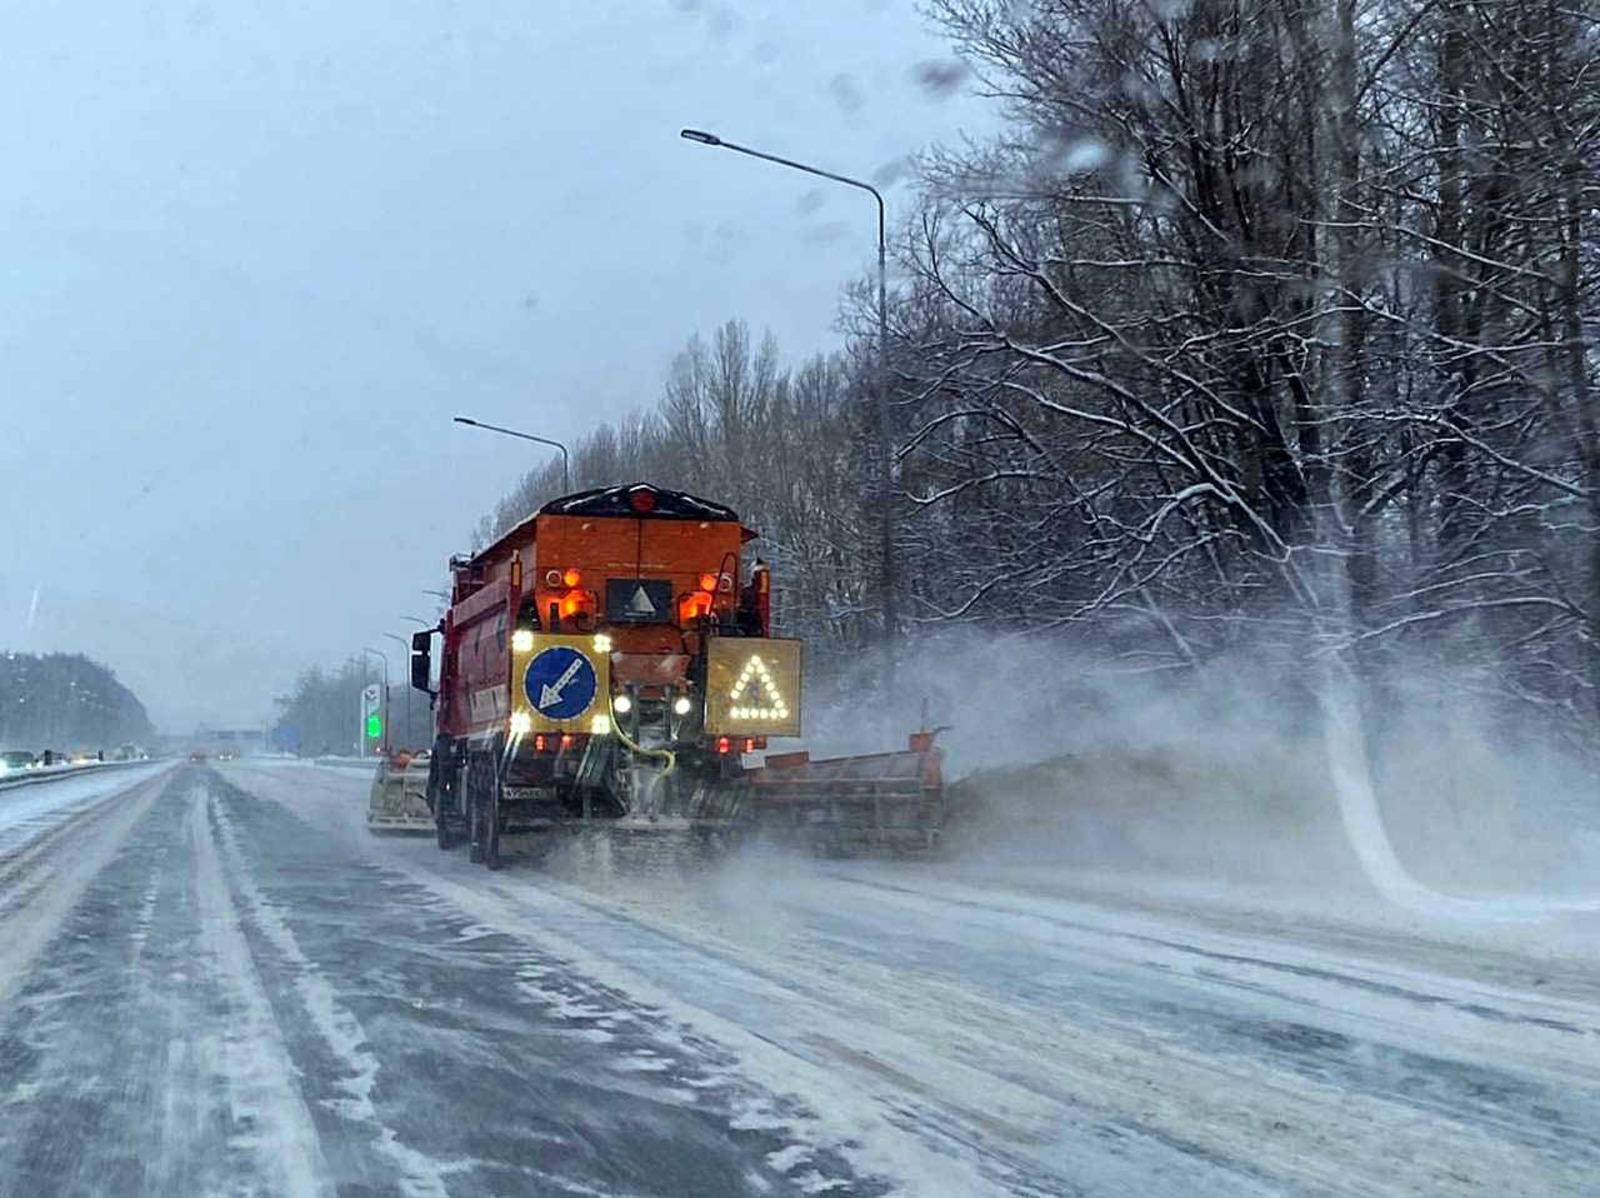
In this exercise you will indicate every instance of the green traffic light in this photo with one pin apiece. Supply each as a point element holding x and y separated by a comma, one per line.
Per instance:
<point>374,726</point>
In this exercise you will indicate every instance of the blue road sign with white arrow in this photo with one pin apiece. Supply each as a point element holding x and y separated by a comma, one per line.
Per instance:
<point>560,683</point>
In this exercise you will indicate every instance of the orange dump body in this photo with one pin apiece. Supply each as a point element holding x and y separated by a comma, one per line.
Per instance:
<point>648,579</point>
<point>601,550</point>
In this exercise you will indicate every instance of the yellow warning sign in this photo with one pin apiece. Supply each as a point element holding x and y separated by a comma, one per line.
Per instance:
<point>753,687</point>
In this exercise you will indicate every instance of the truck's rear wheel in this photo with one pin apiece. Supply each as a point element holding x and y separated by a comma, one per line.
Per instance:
<point>483,798</point>
<point>489,793</point>
<point>491,829</point>
<point>444,782</point>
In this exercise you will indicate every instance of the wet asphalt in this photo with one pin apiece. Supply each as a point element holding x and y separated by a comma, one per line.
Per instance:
<point>238,1006</point>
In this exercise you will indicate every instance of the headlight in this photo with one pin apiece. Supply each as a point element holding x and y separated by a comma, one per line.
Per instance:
<point>622,705</point>
<point>600,725</point>
<point>682,705</point>
<point>521,723</point>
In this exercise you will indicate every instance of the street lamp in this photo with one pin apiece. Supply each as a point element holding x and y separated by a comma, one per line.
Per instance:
<point>891,622</point>
<point>405,646</point>
<point>384,659</point>
<point>566,471</point>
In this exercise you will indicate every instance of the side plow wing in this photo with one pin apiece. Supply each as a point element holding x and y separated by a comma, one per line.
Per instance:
<point>880,802</point>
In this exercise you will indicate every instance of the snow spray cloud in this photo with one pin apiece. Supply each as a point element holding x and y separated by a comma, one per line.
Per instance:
<point>1262,765</point>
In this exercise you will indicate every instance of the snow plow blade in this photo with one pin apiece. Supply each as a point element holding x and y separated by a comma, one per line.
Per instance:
<point>848,806</point>
<point>398,801</point>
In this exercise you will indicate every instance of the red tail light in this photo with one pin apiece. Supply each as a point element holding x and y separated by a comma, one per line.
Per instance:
<point>539,742</point>
<point>749,744</point>
<point>566,740</point>
<point>723,745</point>
<point>642,500</point>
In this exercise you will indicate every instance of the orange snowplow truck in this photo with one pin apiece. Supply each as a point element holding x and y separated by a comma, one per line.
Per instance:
<point>611,659</point>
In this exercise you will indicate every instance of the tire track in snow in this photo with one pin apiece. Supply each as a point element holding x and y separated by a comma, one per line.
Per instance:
<point>499,1055</point>
<point>420,1176</point>
<point>263,1089</point>
<point>47,876</point>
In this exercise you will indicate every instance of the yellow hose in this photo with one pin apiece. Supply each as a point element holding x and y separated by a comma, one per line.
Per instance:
<point>667,755</point>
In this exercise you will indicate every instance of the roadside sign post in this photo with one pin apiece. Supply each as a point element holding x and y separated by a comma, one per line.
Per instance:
<point>372,715</point>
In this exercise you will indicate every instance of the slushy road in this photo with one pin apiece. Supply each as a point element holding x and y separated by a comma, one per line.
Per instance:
<point>215,980</point>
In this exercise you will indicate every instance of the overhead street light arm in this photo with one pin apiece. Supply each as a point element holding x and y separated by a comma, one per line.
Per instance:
<point>566,469</point>
<point>711,139</point>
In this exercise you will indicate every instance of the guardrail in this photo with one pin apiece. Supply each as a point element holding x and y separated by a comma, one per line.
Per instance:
<point>328,759</point>
<point>37,777</point>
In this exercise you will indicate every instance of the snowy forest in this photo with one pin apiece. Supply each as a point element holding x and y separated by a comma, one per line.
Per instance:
<point>321,714</point>
<point>1264,326</point>
<point>66,702</point>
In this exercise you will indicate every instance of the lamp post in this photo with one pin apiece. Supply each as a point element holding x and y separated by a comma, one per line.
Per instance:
<point>891,622</point>
<point>566,470</point>
<point>405,646</point>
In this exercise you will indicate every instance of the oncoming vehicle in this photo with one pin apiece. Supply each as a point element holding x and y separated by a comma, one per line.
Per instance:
<point>16,760</point>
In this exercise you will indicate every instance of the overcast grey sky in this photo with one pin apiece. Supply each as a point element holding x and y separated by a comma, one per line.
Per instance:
<point>257,255</point>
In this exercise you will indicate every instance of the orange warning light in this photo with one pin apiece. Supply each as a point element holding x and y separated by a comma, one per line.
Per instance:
<point>694,605</point>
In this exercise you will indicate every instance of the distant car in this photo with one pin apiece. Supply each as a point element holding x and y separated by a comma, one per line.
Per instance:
<point>52,757</point>
<point>17,760</point>
<point>197,755</point>
<point>227,755</point>
<point>87,757</point>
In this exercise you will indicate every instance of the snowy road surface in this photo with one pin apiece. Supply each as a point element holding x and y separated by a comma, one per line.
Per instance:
<point>214,981</point>
<point>28,811</point>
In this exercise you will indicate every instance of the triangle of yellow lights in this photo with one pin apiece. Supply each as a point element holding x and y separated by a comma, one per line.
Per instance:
<point>765,702</point>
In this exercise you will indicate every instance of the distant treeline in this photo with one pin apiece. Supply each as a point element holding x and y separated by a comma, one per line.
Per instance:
<point>66,701</point>
<point>322,714</point>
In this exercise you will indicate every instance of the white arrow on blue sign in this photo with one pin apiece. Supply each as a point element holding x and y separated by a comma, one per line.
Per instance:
<point>560,683</point>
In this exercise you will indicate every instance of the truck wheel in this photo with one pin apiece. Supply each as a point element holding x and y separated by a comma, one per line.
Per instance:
<point>435,792</point>
<point>491,827</point>
<point>491,806</point>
